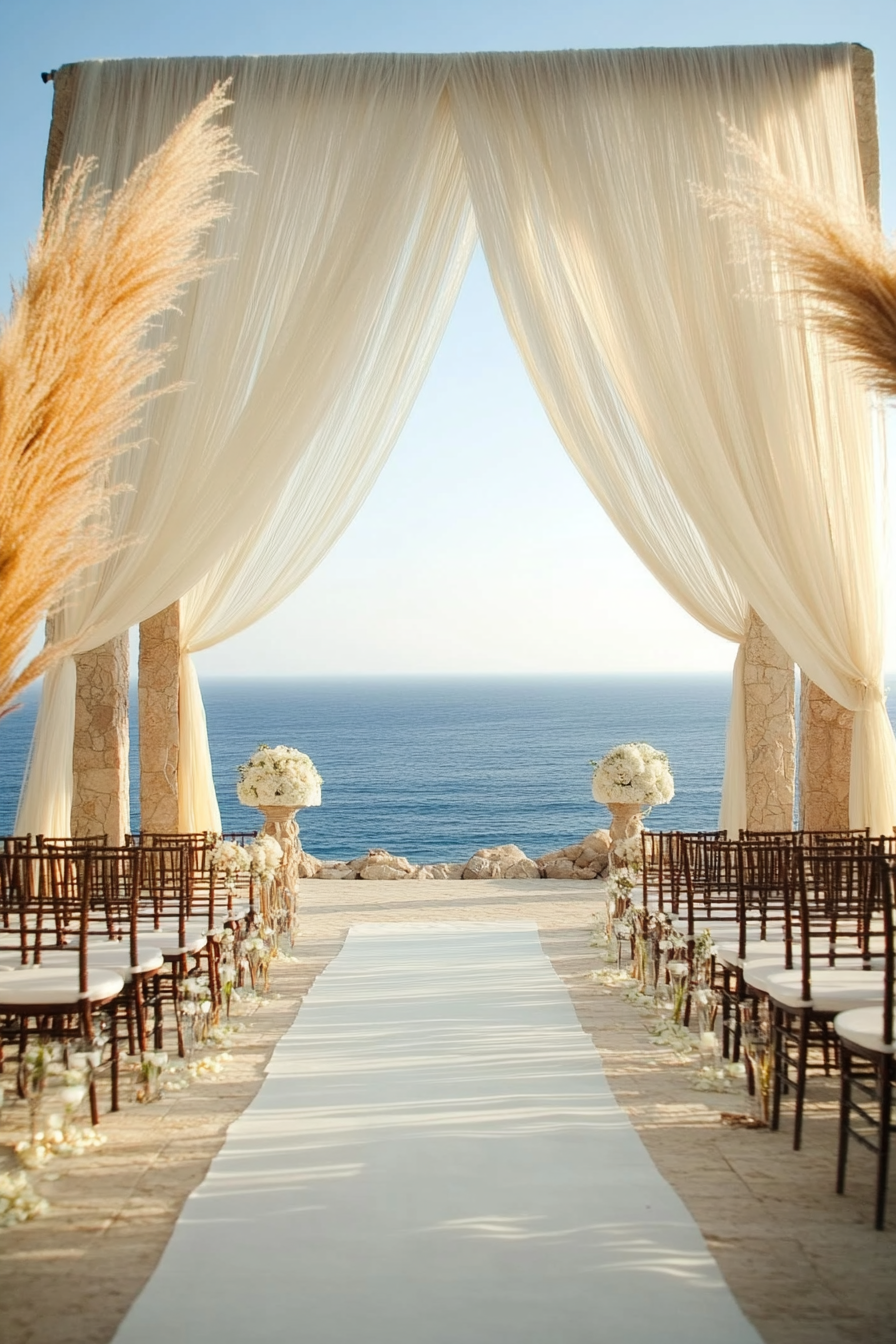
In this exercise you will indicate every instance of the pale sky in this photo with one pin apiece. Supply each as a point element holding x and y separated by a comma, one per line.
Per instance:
<point>480,549</point>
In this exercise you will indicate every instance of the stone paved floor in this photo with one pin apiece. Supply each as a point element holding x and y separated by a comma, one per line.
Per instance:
<point>806,1265</point>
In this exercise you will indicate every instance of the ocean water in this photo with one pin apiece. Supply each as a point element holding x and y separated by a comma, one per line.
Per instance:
<point>436,768</point>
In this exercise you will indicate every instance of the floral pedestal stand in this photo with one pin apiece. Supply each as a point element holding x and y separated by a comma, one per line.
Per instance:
<point>626,824</point>
<point>280,897</point>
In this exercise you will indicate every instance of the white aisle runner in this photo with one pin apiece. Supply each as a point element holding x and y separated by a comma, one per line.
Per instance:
<point>436,1158</point>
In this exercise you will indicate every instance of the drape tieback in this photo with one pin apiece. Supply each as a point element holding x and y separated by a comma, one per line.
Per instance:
<point>870,694</point>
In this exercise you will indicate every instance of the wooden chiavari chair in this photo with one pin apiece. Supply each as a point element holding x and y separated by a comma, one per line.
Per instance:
<point>207,913</point>
<point>832,971</point>
<point>691,843</point>
<point>13,953</point>
<point>165,912</point>
<point>765,887</point>
<point>655,868</point>
<point>868,1057</point>
<point>114,939</point>
<point>58,1001</point>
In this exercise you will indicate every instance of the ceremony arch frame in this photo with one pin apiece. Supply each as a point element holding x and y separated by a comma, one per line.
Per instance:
<point>568,160</point>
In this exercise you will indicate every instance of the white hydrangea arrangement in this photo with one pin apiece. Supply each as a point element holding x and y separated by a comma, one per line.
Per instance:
<point>230,859</point>
<point>265,857</point>
<point>633,773</point>
<point>279,777</point>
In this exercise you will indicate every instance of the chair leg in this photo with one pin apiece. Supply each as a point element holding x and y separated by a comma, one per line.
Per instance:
<point>826,1047</point>
<point>726,1013</point>
<point>158,1023</point>
<point>88,1034</point>
<point>139,1015</point>
<point>883,1141</point>
<point>114,1071</point>
<point>845,1103</point>
<point>802,1068</point>
<point>177,974</point>
<point>778,1065</point>
<point>130,1008</point>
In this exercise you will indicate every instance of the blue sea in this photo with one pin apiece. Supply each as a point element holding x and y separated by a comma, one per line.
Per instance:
<point>435,768</point>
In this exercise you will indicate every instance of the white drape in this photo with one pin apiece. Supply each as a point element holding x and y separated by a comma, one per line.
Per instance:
<point>336,470</point>
<point>735,457</point>
<point>524,222</point>
<point>623,296</point>
<point>349,240</point>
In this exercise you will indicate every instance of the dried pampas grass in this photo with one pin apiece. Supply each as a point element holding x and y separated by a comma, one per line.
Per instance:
<point>74,360</point>
<point>839,263</point>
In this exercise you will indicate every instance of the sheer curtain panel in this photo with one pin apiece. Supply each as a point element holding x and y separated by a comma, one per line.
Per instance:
<point>344,251</point>
<point>630,310</point>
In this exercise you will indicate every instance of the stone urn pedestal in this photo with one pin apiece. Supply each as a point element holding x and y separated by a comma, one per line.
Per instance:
<point>280,898</point>
<point>626,825</point>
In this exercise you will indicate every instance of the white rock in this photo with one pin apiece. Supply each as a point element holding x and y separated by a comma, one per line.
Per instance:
<point>555,866</point>
<point>308,865</point>
<point>336,872</point>
<point>448,872</point>
<point>381,866</point>
<point>440,872</point>
<point>500,861</point>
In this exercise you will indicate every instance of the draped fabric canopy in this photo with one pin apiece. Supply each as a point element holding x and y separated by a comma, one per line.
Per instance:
<point>301,355</point>
<point>696,415</point>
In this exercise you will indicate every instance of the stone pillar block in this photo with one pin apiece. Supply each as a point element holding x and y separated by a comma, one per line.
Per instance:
<point>825,752</point>
<point>158,688</point>
<point>770,730</point>
<point>101,783</point>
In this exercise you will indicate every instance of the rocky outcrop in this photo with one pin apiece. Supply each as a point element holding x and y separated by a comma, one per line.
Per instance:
<point>585,861</point>
<point>500,861</point>
<point>582,862</point>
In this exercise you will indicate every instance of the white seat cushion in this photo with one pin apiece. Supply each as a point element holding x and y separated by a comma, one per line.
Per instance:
<point>863,1027</point>
<point>49,986</point>
<point>168,941</point>
<point>758,954</point>
<point>109,956</point>
<point>834,989</point>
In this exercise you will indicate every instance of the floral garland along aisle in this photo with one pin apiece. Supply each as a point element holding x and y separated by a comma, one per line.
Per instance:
<point>658,975</point>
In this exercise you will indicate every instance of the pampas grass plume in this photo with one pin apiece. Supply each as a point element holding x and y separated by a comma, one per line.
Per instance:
<point>839,264</point>
<point>75,360</point>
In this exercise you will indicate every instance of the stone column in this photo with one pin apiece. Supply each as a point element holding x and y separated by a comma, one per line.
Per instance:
<point>158,688</point>
<point>825,748</point>
<point>825,726</point>
<point>100,793</point>
<point>770,730</point>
